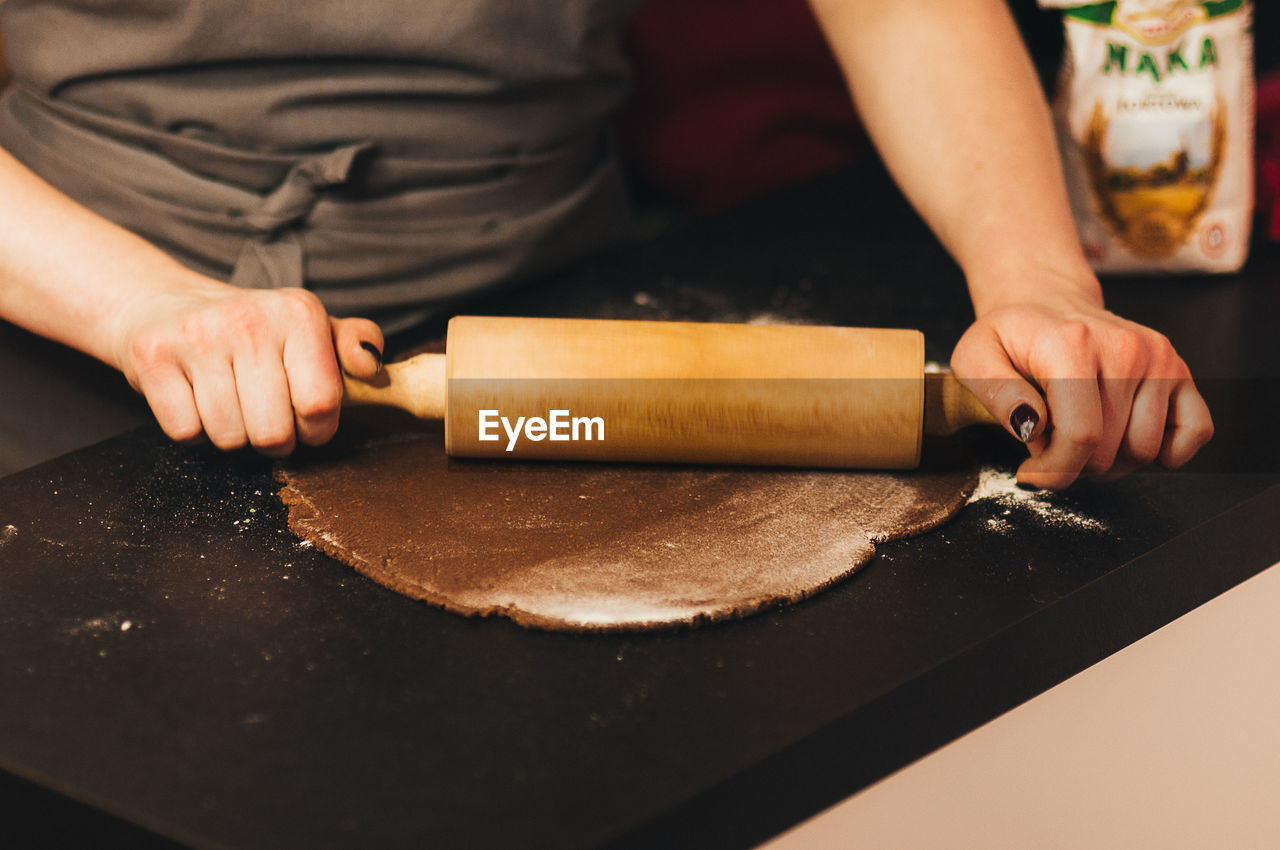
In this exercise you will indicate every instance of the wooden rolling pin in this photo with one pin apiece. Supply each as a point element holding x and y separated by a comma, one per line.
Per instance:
<point>683,392</point>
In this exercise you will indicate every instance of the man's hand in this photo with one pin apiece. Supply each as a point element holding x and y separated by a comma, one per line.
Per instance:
<point>1118,395</point>
<point>242,367</point>
<point>969,138</point>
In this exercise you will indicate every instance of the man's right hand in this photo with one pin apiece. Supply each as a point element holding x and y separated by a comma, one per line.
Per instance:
<point>242,367</point>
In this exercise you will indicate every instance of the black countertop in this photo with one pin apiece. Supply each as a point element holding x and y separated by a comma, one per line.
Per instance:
<point>171,655</point>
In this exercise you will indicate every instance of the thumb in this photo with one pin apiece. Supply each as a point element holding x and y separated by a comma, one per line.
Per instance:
<point>981,363</point>
<point>358,344</point>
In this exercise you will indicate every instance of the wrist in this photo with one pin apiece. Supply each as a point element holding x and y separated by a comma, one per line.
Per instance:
<point>1072,287</point>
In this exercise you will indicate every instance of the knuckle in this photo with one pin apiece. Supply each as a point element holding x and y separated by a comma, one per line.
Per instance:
<point>301,305</point>
<point>1101,461</point>
<point>193,327</point>
<point>1164,358</point>
<point>1083,442</point>
<point>274,437</point>
<point>1080,436</point>
<point>1075,334</point>
<point>321,403</point>
<point>150,349</point>
<point>972,359</point>
<point>183,432</point>
<point>1161,344</point>
<point>967,341</point>
<point>1129,353</point>
<point>320,433</point>
<point>1105,455</point>
<point>228,441</point>
<point>1145,453</point>
<point>212,327</point>
<point>961,360</point>
<point>246,318</point>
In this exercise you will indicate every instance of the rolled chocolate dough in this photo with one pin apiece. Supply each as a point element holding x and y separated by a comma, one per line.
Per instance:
<point>600,547</point>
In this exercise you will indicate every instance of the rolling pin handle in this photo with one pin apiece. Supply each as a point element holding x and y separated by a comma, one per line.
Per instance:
<point>416,385</point>
<point>949,406</point>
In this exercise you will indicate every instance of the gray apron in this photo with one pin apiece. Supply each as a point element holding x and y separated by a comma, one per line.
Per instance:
<point>390,155</point>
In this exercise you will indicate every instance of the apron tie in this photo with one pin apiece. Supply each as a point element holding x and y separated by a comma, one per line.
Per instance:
<point>273,258</point>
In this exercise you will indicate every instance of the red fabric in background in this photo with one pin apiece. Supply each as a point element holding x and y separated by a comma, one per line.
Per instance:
<point>1268,141</point>
<point>731,98</point>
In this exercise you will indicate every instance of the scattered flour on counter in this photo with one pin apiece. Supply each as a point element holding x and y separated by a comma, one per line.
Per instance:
<point>767,318</point>
<point>98,626</point>
<point>93,626</point>
<point>7,533</point>
<point>1000,525</point>
<point>672,300</point>
<point>1001,488</point>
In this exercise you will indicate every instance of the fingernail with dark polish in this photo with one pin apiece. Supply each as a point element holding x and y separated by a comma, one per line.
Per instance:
<point>373,349</point>
<point>1024,421</point>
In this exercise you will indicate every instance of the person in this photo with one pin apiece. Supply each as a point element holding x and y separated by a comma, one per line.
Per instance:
<point>173,175</point>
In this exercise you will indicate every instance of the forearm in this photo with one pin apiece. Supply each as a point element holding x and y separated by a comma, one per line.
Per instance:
<point>67,273</point>
<point>952,101</point>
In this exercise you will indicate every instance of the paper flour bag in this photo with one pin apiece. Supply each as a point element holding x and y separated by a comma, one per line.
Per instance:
<point>1155,120</point>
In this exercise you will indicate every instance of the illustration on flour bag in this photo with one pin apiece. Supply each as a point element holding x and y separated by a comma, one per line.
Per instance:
<point>1154,112</point>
